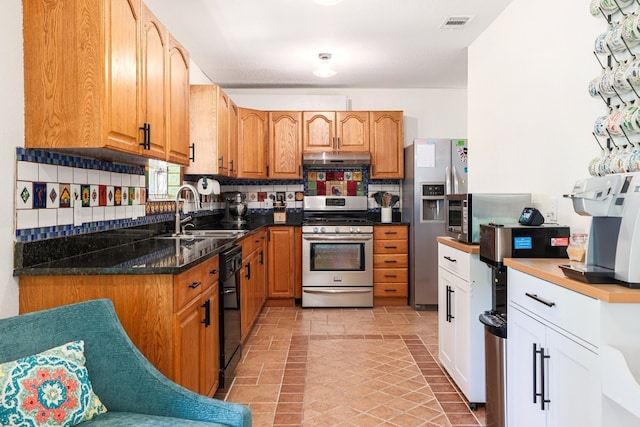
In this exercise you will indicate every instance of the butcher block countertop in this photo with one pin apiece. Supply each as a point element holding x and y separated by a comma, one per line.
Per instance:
<point>547,269</point>
<point>464,247</point>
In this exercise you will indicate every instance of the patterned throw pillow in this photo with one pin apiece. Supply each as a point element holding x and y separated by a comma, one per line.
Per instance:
<point>51,388</point>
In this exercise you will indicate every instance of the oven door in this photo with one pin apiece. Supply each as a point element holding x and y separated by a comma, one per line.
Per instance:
<point>337,260</point>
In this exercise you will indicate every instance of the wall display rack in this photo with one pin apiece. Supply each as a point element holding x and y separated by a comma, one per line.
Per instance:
<point>617,51</point>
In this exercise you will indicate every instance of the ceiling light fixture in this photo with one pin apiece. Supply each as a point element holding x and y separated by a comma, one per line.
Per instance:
<point>327,2</point>
<point>324,69</point>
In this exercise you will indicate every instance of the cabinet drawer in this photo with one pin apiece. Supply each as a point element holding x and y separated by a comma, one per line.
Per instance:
<point>251,243</point>
<point>555,305</point>
<point>390,290</point>
<point>390,275</point>
<point>390,261</point>
<point>390,247</point>
<point>210,271</point>
<point>390,232</point>
<point>454,260</point>
<point>187,286</point>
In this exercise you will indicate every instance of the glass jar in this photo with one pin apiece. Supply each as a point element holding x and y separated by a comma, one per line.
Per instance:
<point>577,247</point>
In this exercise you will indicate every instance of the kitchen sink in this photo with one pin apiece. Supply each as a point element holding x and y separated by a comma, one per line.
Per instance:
<point>219,234</point>
<point>208,234</point>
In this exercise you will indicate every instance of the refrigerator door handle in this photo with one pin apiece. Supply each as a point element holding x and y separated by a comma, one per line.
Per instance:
<point>447,186</point>
<point>455,180</point>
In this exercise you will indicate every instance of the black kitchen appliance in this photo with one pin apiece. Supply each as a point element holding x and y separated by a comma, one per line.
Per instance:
<point>229,317</point>
<point>497,242</point>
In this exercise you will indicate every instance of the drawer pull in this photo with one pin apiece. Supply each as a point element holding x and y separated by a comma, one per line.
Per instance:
<point>540,300</point>
<point>390,275</point>
<point>390,232</point>
<point>448,258</point>
<point>214,271</point>
<point>391,290</point>
<point>391,247</point>
<point>390,261</point>
<point>194,285</point>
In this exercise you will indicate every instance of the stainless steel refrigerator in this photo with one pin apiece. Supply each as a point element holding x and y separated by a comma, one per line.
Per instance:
<point>434,167</point>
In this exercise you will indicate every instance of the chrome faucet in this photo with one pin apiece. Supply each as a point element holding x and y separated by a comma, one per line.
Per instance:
<point>196,198</point>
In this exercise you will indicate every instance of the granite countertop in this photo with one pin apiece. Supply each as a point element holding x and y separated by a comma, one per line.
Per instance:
<point>127,251</point>
<point>547,269</point>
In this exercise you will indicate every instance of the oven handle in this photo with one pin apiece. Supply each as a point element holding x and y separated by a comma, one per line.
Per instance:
<point>362,238</point>
<point>336,291</point>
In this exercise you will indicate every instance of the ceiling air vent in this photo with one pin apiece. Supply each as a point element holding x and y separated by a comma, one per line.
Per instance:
<point>456,22</point>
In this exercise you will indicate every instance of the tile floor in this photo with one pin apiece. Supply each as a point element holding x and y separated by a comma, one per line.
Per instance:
<point>347,367</point>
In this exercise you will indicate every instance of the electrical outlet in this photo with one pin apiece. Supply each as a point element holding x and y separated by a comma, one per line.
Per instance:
<point>552,211</point>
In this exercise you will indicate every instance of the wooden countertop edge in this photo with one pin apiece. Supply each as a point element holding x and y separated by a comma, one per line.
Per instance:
<point>464,247</point>
<point>547,269</point>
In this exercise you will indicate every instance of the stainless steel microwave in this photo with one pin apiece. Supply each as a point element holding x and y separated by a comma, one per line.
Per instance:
<point>465,212</point>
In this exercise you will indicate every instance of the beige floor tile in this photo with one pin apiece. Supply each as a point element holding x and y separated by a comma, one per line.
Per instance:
<point>347,367</point>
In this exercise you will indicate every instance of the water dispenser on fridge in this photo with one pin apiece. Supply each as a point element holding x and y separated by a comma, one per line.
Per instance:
<point>432,202</point>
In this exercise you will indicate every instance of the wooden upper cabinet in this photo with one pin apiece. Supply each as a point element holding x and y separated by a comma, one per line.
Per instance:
<point>154,49</point>
<point>319,134</point>
<point>285,144</point>
<point>203,129</point>
<point>335,131</point>
<point>178,104</point>
<point>387,145</point>
<point>234,122</point>
<point>352,129</point>
<point>224,149</point>
<point>252,144</point>
<point>95,75</point>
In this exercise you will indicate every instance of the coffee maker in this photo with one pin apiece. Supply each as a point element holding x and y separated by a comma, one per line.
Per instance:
<point>235,207</point>
<point>614,239</point>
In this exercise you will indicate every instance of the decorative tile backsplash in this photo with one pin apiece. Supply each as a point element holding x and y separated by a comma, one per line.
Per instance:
<point>62,195</point>
<point>59,195</point>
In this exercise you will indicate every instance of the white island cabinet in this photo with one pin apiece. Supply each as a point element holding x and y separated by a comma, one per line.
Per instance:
<point>552,361</point>
<point>573,349</point>
<point>464,292</point>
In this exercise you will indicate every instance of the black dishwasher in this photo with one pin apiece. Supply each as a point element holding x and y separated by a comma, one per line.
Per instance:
<point>230,333</point>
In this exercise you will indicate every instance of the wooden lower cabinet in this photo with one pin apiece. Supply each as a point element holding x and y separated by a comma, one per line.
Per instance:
<point>390,265</point>
<point>282,266</point>
<point>163,314</point>
<point>252,279</point>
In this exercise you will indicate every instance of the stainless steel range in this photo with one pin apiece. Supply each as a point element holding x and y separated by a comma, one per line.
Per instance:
<point>337,252</point>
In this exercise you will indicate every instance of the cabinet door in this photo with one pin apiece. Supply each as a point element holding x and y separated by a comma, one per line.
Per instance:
<point>352,129</point>
<point>318,134</point>
<point>574,383</point>
<point>281,262</point>
<point>203,125</point>
<point>122,103</point>
<point>210,342</point>
<point>234,120</point>
<point>461,309</point>
<point>387,145</point>
<point>222,128</point>
<point>446,318</point>
<point>525,336</point>
<point>252,144</point>
<point>285,144</point>
<point>154,51</point>
<point>178,104</point>
<point>188,354</point>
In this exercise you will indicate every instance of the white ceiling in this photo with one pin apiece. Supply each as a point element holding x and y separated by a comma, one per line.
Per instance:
<point>374,43</point>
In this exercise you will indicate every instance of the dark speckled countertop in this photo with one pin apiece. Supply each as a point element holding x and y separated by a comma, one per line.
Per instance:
<point>127,251</point>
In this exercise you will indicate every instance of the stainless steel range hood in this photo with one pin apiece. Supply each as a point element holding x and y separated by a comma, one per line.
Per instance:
<point>336,159</point>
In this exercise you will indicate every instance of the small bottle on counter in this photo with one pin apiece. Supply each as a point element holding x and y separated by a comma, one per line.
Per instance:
<point>577,247</point>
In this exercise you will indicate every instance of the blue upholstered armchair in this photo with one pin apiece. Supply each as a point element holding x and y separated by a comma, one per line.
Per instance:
<point>134,392</point>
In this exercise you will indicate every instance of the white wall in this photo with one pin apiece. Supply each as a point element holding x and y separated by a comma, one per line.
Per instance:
<point>530,115</point>
<point>427,112</point>
<point>11,135</point>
